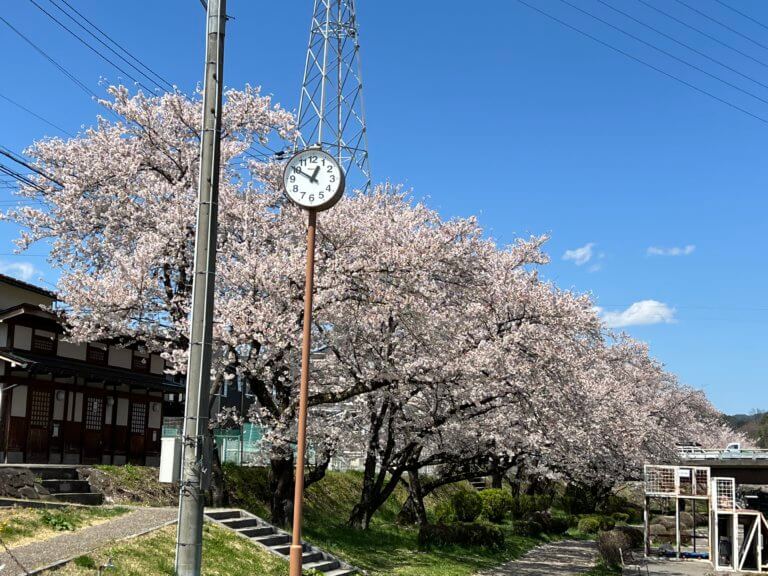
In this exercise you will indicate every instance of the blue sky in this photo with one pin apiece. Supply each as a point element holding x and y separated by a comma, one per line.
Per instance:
<point>496,110</point>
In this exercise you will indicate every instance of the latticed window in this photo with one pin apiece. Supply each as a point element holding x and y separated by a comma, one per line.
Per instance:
<point>93,414</point>
<point>40,408</point>
<point>138,418</point>
<point>96,355</point>
<point>44,344</point>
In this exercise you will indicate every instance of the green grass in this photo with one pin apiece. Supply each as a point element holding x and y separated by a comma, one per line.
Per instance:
<point>21,525</point>
<point>602,570</point>
<point>224,554</point>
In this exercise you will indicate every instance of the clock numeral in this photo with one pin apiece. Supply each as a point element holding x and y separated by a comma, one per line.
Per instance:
<point>296,188</point>
<point>322,195</point>
<point>303,162</point>
<point>313,159</point>
<point>328,187</point>
<point>311,197</point>
<point>329,169</point>
<point>333,178</point>
<point>296,169</point>
<point>292,178</point>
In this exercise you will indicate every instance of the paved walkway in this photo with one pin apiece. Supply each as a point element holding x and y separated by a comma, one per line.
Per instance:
<point>43,554</point>
<point>659,567</point>
<point>565,558</point>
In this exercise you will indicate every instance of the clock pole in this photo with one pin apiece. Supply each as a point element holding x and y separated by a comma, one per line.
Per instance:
<point>306,343</point>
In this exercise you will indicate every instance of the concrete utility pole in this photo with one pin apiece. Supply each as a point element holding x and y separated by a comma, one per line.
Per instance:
<point>189,542</point>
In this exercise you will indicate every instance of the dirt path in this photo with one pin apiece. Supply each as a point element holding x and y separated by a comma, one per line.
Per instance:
<point>43,554</point>
<point>565,558</point>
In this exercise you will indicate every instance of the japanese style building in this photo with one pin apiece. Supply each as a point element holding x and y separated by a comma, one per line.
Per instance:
<point>75,403</point>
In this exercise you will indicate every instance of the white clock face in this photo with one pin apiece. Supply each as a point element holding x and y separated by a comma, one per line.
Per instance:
<point>313,179</point>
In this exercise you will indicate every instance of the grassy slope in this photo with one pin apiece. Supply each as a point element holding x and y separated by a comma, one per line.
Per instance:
<point>388,548</point>
<point>224,554</point>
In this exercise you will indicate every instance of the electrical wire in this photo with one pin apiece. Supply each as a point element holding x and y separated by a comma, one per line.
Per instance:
<point>688,46</point>
<point>644,63</point>
<point>666,53</point>
<point>705,34</point>
<point>163,80</point>
<point>30,112</point>
<point>740,13</point>
<point>19,160</point>
<point>45,55</point>
<point>716,21</point>
<point>89,46</point>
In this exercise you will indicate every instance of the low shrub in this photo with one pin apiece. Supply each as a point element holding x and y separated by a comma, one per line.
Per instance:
<point>589,525</point>
<point>620,517</point>
<point>497,503</point>
<point>528,528</point>
<point>634,535</point>
<point>558,525</point>
<point>524,505</point>
<point>578,500</point>
<point>444,513</point>
<point>610,545</point>
<point>467,505</point>
<point>461,534</point>
<point>59,520</point>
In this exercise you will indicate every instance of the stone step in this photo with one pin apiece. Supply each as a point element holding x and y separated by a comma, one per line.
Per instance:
<point>308,557</point>
<point>88,498</point>
<point>222,515</point>
<point>256,531</point>
<point>272,539</point>
<point>58,486</point>
<point>322,565</point>
<point>237,523</point>
<point>286,550</point>
<point>54,472</point>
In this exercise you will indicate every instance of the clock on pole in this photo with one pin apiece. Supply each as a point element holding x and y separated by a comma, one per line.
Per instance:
<point>313,179</point>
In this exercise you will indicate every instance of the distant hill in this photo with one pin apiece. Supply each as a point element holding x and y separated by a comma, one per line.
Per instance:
<point>753,425</point>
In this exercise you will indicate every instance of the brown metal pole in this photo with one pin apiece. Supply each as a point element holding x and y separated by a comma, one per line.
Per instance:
<point>306,343</point>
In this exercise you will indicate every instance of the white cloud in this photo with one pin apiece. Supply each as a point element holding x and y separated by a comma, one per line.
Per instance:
<point>638,314</point>
<point>21,270</point>
<point>673,251</point>
<point>580,256</point>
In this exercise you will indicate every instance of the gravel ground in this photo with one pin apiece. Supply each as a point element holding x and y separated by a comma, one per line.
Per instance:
<point>42,554</point>
<point>565,558</point>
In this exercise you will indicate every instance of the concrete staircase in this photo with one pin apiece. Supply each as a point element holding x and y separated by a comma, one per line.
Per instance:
<point>277,541</point>
<point>478,483</point>
<point>65,485</point>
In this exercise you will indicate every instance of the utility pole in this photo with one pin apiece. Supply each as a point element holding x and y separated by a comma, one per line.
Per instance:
<point>189,541</point>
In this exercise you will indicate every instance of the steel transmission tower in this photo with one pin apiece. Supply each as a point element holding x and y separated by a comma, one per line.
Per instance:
<point>331,111</point>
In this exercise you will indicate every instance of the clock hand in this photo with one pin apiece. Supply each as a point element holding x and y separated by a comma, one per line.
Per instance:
<point>313,178</point>
<point>300,171</point>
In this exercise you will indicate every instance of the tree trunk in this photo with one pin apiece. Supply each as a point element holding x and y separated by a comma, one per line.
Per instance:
<point>414,511</point>
<point>218,490</point>
<point>497,476</point>
<point>281,486</point>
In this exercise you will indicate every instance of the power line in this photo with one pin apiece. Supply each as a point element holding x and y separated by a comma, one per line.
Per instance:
<point>162,80</point>
<point>705,34</point>
<point>740,13</point>
<point>19,160</point>
<point>45,55</point>
<point>20,177</point>
<point>644,63</point>
<point>87,45</point>
<point>689,47</point>
<point>668,54</point>
<point>28,111</point>
<point>708,17</point>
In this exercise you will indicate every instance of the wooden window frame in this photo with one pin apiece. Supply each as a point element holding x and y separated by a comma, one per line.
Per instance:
<point>91,360</point>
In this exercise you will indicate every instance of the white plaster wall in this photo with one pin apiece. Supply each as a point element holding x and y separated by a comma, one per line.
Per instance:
<point>119,357</point>
<point>72,350</point>
<point>13,296</point>
<point>155,415</point>
<point>122,412</point>
<point>156,365</point>
<point>19,402</point>
<point>108,410</point>
<point>78,407</point>
<point>58,405</point>
<point>22,337</point>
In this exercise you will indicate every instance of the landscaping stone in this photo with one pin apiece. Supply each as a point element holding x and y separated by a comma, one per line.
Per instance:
<point>20,483</point>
